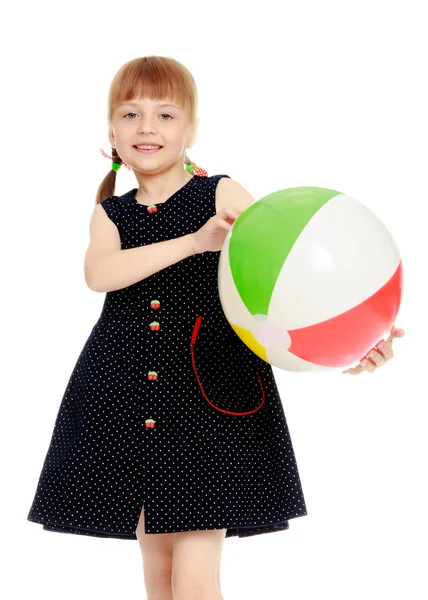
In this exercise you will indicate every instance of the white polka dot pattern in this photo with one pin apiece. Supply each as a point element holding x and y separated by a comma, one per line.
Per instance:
<point>166,407</point>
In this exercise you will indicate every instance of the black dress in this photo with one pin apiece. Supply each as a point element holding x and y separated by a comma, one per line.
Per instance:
<point>166,407</point>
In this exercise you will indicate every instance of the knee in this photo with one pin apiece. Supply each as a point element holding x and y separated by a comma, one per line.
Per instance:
<point>193,591</point>
<point>155,578</point>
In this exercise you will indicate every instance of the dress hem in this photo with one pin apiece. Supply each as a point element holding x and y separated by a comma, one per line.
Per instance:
<point>232,530</point>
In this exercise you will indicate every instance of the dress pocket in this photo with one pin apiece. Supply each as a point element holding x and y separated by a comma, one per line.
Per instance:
<point>225,369</point>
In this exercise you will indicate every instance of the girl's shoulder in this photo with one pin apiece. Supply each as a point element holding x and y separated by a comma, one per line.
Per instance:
<point>113,207</point>
<point>126,198</point>
<point>230,193</point>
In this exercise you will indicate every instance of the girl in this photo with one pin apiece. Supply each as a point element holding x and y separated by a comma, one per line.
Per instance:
<point>171,430</point>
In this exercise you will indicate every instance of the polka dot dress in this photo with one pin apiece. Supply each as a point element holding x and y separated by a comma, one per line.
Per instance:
<point>166,407</point>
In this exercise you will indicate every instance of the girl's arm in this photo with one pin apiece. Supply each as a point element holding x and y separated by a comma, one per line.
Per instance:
<point>108,268</point>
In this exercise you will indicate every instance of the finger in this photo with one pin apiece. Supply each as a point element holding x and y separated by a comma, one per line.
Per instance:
<point>231,212</point>
<point>386,350</point>
<point>225,225</point>
<point>228,218</point>
<point>368,366</point>
<point>376,357</point>
<point>395,333</point>
<point>353,370</point>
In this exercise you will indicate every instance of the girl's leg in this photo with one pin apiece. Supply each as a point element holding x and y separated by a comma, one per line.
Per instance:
<point>196,564</point>
<point>157,551</point>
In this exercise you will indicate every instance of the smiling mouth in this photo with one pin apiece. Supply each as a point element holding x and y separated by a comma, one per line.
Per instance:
<point>148,149</point>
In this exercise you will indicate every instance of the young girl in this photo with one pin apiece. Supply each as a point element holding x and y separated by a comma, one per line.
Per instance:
<point>171,430</point>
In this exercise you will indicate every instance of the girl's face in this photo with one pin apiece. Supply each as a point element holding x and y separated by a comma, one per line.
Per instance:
<point>151,121</point>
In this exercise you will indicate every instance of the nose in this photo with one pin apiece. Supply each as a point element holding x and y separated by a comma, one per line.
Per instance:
<point>146,125</point>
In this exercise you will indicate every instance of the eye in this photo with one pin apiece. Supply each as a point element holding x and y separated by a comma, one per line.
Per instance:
<point>163,115</point>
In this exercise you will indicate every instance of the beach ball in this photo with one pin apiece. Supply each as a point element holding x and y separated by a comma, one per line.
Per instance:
<point>310,279</point>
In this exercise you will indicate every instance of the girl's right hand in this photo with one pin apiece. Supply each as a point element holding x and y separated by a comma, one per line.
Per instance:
<point>210,237</point>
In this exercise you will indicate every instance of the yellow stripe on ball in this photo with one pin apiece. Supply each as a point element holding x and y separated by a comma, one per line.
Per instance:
<point>250,341</point>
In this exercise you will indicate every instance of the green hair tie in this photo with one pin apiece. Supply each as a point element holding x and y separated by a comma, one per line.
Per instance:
<point>116,166</point>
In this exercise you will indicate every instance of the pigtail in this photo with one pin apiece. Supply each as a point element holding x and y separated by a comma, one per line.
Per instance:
<point>108,184</point>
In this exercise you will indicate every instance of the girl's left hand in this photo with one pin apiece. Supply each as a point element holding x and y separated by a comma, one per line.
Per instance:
<point>378,356</point>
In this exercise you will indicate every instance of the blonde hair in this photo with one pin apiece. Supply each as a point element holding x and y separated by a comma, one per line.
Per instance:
<point>154,77</point>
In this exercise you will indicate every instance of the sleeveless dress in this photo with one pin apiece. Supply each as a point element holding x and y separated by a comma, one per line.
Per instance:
<point>166,407</point>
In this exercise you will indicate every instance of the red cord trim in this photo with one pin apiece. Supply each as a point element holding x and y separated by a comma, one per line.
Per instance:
<point>228,412</point>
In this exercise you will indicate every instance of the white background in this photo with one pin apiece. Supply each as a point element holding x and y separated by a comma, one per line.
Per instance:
<point>330,94</point>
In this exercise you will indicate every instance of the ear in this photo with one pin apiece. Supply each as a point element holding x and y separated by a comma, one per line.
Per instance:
<point>110,136</point>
